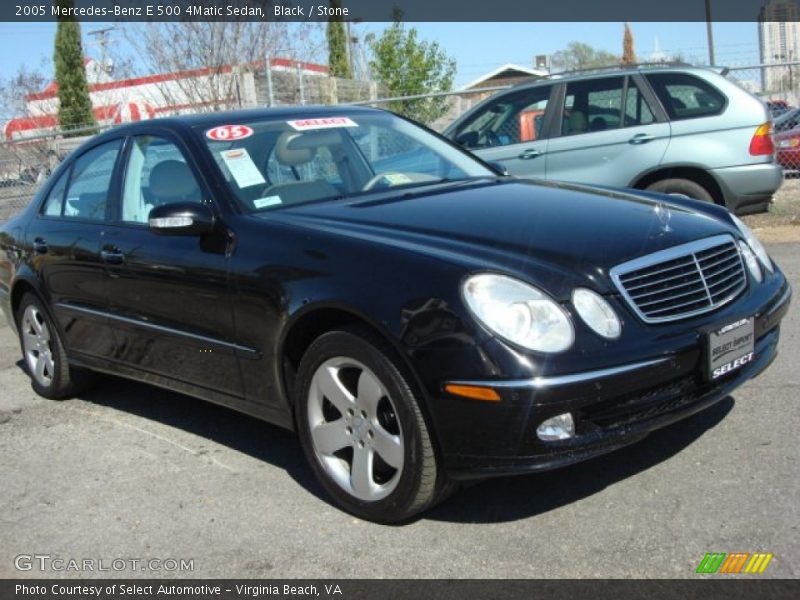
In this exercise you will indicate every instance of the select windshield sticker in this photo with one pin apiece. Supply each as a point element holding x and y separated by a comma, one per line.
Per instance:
<point>242,168</point>
<point>326,123</point>
<point>267,201</point>
<point>228,133</point>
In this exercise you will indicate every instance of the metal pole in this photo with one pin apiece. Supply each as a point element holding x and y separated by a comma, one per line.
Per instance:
<point>300,81</point>
<point>270,95</point>
<point>709,33</point>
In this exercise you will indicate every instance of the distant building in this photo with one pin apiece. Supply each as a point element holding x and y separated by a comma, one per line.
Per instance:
<point>162,94</point>
<point>508,74</point>
<point>779,41</point>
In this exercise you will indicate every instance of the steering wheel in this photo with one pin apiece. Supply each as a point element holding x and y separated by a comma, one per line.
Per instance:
<point>492,139</point>
<point>373,181</point>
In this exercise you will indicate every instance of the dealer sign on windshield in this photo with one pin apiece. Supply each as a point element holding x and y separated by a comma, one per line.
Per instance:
<point>730,347</point>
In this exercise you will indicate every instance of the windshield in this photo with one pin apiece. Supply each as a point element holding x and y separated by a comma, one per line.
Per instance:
<point>272,163</point>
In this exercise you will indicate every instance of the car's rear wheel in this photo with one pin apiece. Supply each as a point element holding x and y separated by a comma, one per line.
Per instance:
<point>681,187</point>
<point>362,429</point>
<point>43,353</point>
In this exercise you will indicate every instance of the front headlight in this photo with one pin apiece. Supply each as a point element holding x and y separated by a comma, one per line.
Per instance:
<point>597,313</point>
<point>518,312</point>
<point>756,246</point>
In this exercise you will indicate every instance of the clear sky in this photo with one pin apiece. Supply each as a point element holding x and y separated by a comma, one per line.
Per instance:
<point>477,47</point>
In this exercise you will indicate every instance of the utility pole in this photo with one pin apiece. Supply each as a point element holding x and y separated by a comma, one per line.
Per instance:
<point>709,33</point>
<point>102,41</point>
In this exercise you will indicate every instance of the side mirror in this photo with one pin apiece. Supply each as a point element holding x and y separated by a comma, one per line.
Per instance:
<point>181,218</point>
<point>499,167</point>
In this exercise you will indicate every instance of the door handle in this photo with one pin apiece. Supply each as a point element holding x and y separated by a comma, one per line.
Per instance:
<point>40,246</point>
<point>641,138</point>
<point>112,256</point>
<point>529,154</point>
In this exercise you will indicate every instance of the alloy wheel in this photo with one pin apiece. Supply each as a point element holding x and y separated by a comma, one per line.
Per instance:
<point>37,346</point>
<point>355,432</point>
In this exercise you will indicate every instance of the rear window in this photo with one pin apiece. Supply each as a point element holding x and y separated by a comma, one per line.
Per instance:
<point>685,96</point>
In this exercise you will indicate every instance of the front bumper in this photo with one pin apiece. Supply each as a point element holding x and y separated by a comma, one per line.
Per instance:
<point>612,407</point>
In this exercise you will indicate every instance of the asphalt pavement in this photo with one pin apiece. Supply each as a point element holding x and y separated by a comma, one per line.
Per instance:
<point>133,473</point>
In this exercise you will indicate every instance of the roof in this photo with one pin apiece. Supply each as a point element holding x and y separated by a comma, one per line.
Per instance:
<point>510,67</point>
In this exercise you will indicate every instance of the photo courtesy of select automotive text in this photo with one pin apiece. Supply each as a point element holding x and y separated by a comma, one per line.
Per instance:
<point>364,299</point>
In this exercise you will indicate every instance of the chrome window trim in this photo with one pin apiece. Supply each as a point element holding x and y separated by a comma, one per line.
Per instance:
<point>683,250</point>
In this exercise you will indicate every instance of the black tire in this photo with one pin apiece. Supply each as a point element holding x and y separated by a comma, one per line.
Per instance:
<point>420,482</point>
<point>683,187</point>
<point>64,381</point>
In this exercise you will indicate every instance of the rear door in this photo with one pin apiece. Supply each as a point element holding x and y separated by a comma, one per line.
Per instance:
<point>65,239</point>
<point>610,132</point>
<point>511,130</point>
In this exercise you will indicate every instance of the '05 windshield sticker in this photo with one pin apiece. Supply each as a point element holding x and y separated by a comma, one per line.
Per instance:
<point>242,167</point>
<point>229,133</point>
<point>326,123</point>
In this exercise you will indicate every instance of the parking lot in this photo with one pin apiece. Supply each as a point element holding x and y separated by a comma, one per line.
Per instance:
<point>132,472</point>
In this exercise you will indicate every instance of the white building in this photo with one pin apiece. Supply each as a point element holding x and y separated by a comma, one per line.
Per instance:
<point>779,41</point>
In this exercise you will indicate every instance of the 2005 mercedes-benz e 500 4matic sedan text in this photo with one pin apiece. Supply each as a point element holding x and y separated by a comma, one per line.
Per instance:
<point>417,327</point>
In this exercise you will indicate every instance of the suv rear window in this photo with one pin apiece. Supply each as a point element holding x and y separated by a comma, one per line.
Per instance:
<point>685,96</point>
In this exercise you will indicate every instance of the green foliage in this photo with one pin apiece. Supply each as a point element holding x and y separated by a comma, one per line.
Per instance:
<point>406,66</point>
<point>75,106</point>
<point>578,55</point>
<point>336,33</point>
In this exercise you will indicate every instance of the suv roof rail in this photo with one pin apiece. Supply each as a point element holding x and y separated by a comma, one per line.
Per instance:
<point>612,68</point>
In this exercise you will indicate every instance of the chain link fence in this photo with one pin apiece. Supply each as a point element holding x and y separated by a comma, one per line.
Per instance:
<point>26,163</point>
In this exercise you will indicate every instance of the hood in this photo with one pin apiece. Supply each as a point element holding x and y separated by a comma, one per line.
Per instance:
<point>553,234</point>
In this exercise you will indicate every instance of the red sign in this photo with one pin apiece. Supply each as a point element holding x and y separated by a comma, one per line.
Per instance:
<point>228,133</point>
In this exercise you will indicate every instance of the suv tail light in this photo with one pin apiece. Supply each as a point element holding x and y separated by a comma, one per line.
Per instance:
<point>762,140</point>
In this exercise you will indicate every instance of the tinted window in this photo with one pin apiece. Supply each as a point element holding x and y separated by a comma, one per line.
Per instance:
<point>686,96</point>
<point>510,119</point>
<point>55,199</point>
<point>90,181</point>
<point>592,105</point>
<point>157,174</point>
<point>637,111</point>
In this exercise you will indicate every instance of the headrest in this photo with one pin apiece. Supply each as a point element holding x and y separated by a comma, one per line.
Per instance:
<point>294,148</point>
<point>577,122</point>
<point>172,179</point>
<point>288,154</point>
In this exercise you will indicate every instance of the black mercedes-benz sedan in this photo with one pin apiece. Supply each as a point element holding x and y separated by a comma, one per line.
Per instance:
<point>417,317</point>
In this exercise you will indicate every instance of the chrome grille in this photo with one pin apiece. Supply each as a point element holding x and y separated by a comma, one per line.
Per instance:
<point>683,281</point>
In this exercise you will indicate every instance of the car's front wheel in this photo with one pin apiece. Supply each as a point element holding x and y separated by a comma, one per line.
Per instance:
<point>43,352</point>
<point>362,429</point>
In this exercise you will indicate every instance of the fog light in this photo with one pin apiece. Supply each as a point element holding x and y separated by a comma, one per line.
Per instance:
<point>560,427</point>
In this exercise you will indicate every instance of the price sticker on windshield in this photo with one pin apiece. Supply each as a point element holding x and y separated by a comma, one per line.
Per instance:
<point>326,123</point>
<point>229,133</point>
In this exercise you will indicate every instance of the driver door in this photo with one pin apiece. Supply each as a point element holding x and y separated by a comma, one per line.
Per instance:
<point>169,298</point>
<point>511,130</point>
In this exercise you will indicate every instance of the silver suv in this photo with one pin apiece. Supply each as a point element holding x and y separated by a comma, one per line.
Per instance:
<point>674,129</point>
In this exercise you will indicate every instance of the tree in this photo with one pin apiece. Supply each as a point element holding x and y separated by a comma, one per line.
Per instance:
<point>628,53</point>
<point>578,55</point>
<point>338,59</point>
<point>406,66</point>
<point>75,105</point>
<point>226,52</point>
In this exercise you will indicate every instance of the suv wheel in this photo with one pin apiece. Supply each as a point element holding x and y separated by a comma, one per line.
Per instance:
<point>362,429</point>
<point>681,187</point>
